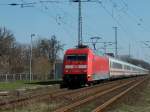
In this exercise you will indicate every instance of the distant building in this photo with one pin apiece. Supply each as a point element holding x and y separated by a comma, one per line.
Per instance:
<point>58,70</point>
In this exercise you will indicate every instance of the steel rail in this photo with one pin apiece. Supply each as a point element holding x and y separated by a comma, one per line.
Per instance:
<point>21,100</point>
<point>110,101</point>
<point>78,103</point>
<point>70,94</point>
<point>46,95</point>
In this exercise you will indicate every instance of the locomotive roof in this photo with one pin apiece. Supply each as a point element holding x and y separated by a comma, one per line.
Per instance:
<point>78,51</point>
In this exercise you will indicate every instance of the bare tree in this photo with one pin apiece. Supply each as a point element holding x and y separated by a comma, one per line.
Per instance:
<point>19,58</point>
<point>7,42</point>
<point>55,48</point>
<point>48,49</point>
<point>14,57</point>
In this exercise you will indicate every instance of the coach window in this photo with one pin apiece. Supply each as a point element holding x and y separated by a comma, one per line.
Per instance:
<point>133,68</point>
<point>128,68</point>
<point>125,67</point>
<point>117,65</point>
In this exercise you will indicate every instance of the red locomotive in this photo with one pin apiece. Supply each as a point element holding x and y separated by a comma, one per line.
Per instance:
<point>81,66</point>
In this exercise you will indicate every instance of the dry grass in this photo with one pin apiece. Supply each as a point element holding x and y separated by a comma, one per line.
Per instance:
<point>40,107</point>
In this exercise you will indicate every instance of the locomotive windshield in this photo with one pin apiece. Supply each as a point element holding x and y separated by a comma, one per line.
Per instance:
<point>76,57</point>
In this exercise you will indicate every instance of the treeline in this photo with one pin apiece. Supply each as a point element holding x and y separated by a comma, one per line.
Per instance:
<point>15,57</point>
<point>137,62</point>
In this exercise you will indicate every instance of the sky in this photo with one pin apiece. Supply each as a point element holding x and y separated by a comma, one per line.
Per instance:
<point>45,19</point>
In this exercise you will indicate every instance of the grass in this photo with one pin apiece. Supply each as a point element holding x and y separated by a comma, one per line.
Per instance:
<point>24,84</point>
<point>14,85</point>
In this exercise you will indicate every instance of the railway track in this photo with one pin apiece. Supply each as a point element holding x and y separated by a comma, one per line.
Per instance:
<point>66,100</point>
<point>25,99</point>
<point>104,98</point>
<point>101,107</point>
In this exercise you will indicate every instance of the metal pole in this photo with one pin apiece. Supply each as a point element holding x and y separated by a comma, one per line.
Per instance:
<point>116,41</point>
<point>6,78</point>
<point>79,25</point>
<point>105,47</point>
<point>31,57</point>
<point>129,50</point>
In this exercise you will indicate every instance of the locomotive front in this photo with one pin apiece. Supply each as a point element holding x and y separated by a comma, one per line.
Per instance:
<point>75,67</point>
